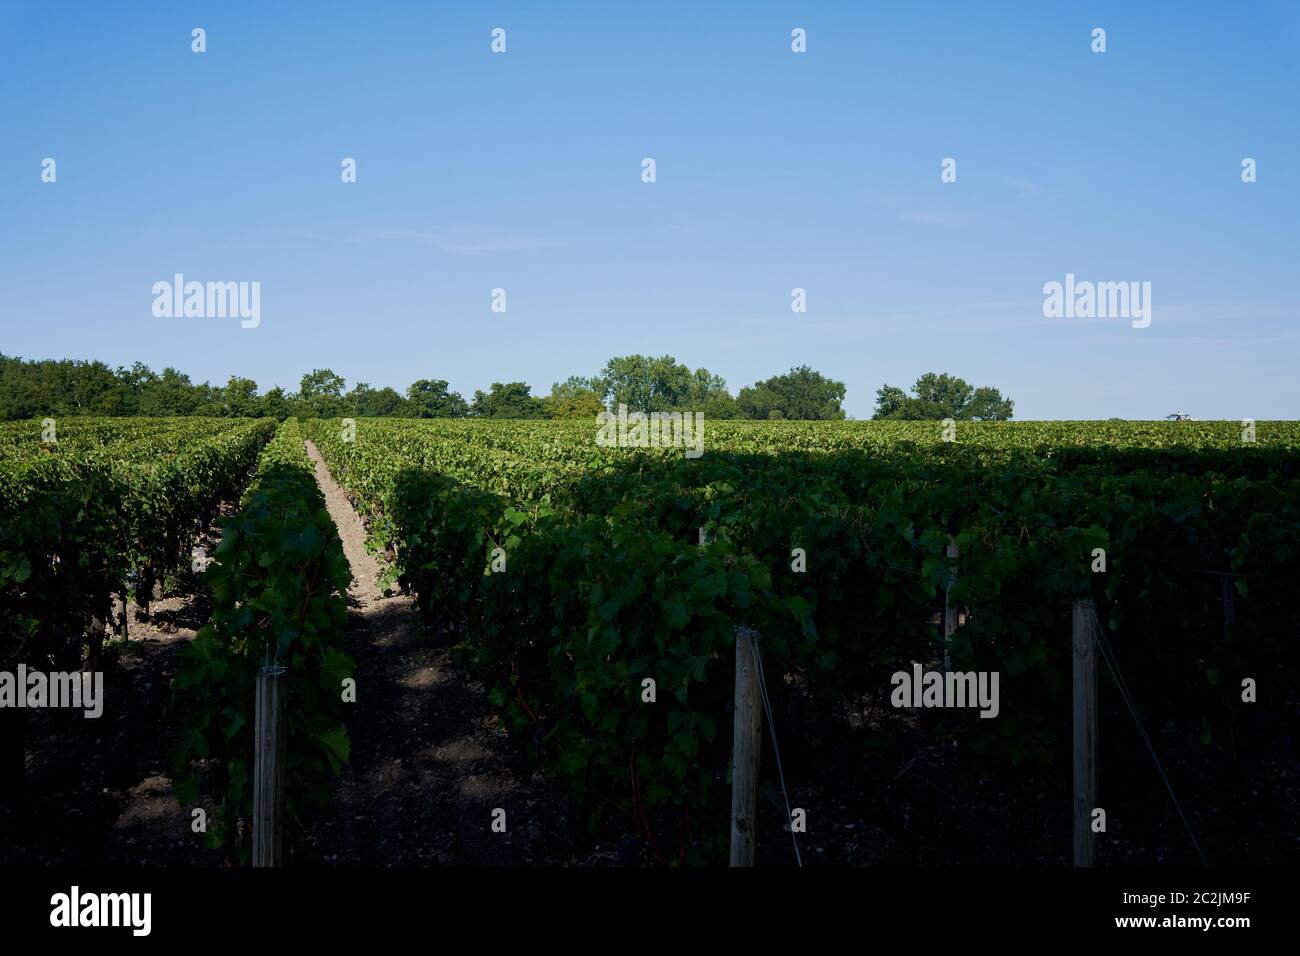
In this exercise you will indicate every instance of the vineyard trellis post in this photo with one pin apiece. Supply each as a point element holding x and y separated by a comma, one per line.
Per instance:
<point>95,643</point>
<point>747,748</point>
<point>949,611</point>
<point>1085,730</point>
<point>270,745</point>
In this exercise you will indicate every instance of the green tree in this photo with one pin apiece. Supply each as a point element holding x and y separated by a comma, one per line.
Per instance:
<point>708,393</point>
<point>172,393</point>
<point>16,400</point>
<point>275,404</point>
<point>718,406</point>
<point>574,398</point>
<point>431,398</point>
<point>367,402</point>
<point>239,398</point>
<point>938,396</point>
<point>646,384</point>
<point>890,400</point>
<point>321,383</point>
<point>134,381</point>
<point>988,405</point>
<point>801,394</point>
<point>320,394</point>
<point>508,400</point>
<point>90,388</point>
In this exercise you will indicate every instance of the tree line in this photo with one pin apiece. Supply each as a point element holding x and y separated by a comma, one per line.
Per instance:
<point>66,387</point>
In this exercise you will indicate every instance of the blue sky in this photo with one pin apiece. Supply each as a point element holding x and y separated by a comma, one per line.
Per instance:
<point>775,170</point>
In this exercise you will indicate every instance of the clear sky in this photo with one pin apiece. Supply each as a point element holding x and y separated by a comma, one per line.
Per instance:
<point>775,170</point>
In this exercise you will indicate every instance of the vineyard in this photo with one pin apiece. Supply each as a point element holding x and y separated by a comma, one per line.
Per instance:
<point>626,564</point>
<point>567,578</point>
<point>103,506</point>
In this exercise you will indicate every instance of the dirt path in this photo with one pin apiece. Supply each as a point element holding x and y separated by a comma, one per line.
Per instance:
<point>429,763</point>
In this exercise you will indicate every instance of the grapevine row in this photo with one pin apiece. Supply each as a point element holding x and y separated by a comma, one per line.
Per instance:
<point>279,583</point>
<point>77,521</point>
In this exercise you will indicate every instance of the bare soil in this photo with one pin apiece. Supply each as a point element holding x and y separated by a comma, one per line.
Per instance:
<point>429,762</point>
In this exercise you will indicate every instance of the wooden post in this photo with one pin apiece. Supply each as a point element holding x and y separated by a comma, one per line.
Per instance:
<point>95,643</point>
<point>269,755</point>
<point>949,612</point>
<point>747,748</point>
<point>1085,731</point>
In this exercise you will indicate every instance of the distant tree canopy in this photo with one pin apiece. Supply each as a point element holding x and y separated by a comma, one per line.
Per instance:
<point>936,396</point>
<point>383,402</point>
<point>69,387</point>
<point>661,384</point>
<point>35,389</point>
<point>433,398</point>
<point>509,400</point>
<point>576,397</point>
<point>650,384</point>
<point>801,393</point>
